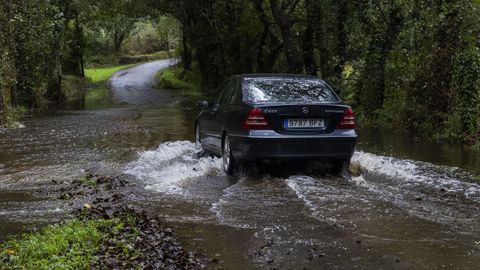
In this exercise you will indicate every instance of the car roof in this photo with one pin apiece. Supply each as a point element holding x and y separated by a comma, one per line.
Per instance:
<point>276,76</point>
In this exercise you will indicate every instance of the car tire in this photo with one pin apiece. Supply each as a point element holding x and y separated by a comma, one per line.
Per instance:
<point>227,157</point>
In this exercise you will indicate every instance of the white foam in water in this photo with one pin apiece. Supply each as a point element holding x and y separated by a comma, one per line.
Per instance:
<point>359,181</point>
<point>414,172</point>
<point>30,212</point>
<point>388,166</point>
<point>219,207</point>
<point>293,184</point>
<point>169,168</point>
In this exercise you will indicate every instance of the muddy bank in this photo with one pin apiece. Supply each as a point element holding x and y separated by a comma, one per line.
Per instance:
<point>133,239</point>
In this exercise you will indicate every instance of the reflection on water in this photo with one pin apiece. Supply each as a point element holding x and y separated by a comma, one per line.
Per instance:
<point>400,144</point>
<point>62,146</point>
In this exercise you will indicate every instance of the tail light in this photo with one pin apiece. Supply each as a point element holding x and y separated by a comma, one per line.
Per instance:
<point>256,120</point>
<point>348,120</point>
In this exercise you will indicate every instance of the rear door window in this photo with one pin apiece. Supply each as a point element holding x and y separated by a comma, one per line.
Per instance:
<point>290,90</point>
<point>220,93</point>
<point>228,90</point>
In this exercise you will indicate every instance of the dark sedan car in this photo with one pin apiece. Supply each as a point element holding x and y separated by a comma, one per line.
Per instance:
<point>276,117</point>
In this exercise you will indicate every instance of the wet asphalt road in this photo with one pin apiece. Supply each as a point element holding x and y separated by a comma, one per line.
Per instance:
<point>137,85</point>
<point>398,214</point>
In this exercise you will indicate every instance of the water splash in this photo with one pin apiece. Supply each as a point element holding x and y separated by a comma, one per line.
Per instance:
<point>169,168</point>
<point>409,173</point>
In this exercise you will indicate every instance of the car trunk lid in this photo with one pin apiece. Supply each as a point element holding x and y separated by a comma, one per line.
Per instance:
<point>304,118</point>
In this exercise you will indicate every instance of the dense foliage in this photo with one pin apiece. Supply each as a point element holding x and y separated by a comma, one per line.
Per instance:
<point>39,42</point>
<point>410,64</point>
<point>45,42</point>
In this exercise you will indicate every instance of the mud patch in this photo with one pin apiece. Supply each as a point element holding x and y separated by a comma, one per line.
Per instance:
<point>139,242</point>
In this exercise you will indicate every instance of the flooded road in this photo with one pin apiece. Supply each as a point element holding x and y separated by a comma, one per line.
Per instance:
<point>400,213</point>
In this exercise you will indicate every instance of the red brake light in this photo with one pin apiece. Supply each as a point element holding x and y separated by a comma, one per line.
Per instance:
<point>256,120</point>
<point>348,120</point>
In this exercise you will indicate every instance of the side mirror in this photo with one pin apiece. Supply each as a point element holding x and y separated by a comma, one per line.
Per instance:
<point>203,104</point>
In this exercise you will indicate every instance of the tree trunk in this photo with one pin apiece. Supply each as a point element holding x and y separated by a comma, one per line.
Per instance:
<point>270,45</point>
<point>373,78</point>
<point>342,37</point>
<point>54,88</point>
<point>309,39</point>
<point>186,52</point>
<point>118,38</point>
<point>10,34</point>
<point>285,23</point>
<point>323,46</point>
<point>79,39</point>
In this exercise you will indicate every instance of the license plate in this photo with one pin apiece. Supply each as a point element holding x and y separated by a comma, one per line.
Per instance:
<point>304,123</point>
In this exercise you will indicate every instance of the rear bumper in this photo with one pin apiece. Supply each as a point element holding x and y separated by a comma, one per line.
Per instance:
<point>261,145</point>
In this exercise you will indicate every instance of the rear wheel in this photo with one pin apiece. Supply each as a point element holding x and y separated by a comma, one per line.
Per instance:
<point>228,161</point>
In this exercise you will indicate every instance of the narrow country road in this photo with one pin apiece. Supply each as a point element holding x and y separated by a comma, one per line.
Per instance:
<point>137,85</point>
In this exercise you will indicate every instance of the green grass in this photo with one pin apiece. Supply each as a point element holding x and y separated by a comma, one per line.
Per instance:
<point>98,75</point>
<point>89,181</point>
<point>476,178</point>
<point>70,245</point>
<point>173,78</point>
<point>98,95</point>
<point>168,79</point>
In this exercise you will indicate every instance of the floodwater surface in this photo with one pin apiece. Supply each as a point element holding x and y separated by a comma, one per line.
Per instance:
<point>414,206</point>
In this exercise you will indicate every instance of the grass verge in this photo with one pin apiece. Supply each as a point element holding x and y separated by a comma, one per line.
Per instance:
<point>69,245</point>
<point>99,93</point>
<point>99,75</point>
<point>176,78</point>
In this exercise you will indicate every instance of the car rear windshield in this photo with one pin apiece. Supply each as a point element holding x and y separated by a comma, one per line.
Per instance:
<point>287,90</point>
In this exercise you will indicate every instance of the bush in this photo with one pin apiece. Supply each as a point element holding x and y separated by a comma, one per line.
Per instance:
<point>132,59</point>
<point>171,78</point>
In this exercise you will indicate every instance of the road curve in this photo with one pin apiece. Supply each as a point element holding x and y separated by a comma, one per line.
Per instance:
<point>137,85</point>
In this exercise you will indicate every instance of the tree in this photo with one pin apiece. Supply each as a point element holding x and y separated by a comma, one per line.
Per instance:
<point>383,35</point>
<point>283,13</point>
